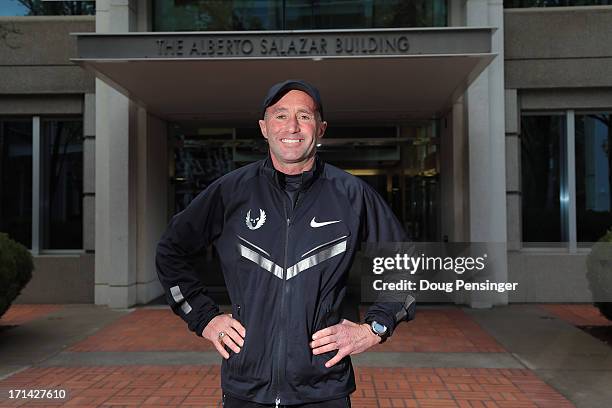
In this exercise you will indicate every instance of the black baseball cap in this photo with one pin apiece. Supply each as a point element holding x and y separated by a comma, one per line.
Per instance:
<point>277,91</point>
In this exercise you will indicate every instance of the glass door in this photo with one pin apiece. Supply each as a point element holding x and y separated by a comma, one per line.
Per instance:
<point>399,161</point>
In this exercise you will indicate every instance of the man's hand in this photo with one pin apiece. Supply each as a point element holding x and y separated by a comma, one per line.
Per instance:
<point>224,330</point>
<point>346,337</point>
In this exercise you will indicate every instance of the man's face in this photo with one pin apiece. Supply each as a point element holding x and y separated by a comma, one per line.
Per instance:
<point>292,128</point>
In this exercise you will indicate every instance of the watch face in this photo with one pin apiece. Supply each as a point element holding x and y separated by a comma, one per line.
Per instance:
<point>379,328</point>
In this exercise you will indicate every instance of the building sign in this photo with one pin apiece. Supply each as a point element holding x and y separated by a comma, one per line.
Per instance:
<point>224,46</point>
<point>285,44</point>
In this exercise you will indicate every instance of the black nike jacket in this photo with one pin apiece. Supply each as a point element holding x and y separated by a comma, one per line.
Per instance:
<point>286,269</point>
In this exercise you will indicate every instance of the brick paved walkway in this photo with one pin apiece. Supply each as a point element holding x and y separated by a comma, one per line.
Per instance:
<point>20,314</point>
<point>440,330</point>
<point>145,330</point>
<point>188,386</point>
<point>133,384</point>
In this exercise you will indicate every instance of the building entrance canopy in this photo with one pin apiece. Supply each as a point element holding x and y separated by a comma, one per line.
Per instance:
<point>220,77</point>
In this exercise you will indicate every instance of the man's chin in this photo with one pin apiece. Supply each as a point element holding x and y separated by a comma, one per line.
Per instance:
<point>291,160</point>
<point>292,157</point>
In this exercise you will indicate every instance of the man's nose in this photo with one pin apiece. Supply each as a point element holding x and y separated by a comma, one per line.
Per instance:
<point>293,125</point>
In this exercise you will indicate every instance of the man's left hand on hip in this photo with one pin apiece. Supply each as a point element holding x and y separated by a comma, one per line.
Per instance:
<point>346,337</point>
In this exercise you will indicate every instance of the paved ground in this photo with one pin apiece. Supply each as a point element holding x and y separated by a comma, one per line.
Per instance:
<point>578,315</point>
<point>516,356</point>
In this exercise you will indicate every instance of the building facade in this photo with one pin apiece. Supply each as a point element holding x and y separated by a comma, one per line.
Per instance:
<point>477,121</point>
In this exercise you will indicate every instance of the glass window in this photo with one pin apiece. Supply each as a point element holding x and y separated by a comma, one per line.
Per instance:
<point>554,3</point>
<point>337,14</point>
<point>541,171</point>
<point>201,155</point>
<point>216,15</point>
<point>62,184</point>
<point>47,8</point>
<point>593,175</point>
<point>16,180</point>
<point>400,161</point>
<point>238,15</point>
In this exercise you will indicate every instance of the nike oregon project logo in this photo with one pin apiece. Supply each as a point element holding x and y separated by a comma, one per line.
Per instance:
<point>315,224</point>
<point>255,223</point>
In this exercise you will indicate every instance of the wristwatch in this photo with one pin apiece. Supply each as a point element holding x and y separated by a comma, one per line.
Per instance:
<point>380,330</point>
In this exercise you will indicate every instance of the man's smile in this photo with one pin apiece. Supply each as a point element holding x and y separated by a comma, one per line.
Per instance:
<point>292,140</point>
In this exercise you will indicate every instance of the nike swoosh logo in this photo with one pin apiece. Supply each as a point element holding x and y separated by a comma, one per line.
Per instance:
<point>315,224</point>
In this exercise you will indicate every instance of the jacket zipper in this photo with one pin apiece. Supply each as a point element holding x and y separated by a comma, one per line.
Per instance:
<point>281,336</point>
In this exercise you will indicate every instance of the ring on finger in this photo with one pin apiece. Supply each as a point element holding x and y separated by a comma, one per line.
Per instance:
<point>221,335</point>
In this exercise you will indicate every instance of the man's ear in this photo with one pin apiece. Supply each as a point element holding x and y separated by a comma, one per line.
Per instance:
<point>263,128</point>
<point>322,128</point>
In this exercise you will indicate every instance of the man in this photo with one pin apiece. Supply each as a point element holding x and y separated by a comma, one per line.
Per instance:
<point>286,229</point>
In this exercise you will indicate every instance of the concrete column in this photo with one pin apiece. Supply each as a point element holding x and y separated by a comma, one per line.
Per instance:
<point>144,19</point>
<point>454,175</point>
<point>131,179</point>
<point>115,245</point>
<point>487,170</point>
<point>447,179</point>
<point>456,13</point>
<point>152,208</point>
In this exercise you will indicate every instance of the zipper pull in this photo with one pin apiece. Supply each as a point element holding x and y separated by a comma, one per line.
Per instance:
<point>288,221</point>
<point>277,401</point>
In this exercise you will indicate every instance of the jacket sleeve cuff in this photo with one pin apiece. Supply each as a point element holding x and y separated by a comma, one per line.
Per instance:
<point>381,318</point>
<point>204,322</point>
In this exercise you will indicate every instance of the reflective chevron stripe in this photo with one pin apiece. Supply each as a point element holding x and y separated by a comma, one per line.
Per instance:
<point>323,245</point>
<point>301,266</point>
<point>253,245</point>
<point>265,263</point>
<point>316,259</point>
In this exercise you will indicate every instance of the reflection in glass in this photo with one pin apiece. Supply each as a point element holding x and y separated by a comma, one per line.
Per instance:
<point>62,184</point>
<point>215,15</point>
<point>330,14</point>
<point>554,3</point>
<point>593,176</point>
<point>400,162</point>
<point>16,180</point>
<point>541,144</point>
<point>47,8</point>
<point>200,157</point>
<point>239,15</point>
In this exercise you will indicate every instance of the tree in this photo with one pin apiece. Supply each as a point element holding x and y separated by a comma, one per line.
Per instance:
<point>61,8</point>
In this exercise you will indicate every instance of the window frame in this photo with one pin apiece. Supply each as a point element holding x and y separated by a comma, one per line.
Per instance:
<point>567,188</point>
<point>25,119</point>
<point>42,250</point>
<point>37,184</point>
<point>584,245</point>
<point>562,245</point>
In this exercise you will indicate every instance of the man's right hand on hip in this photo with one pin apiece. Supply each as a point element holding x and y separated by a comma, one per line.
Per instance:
<point>224,330</point>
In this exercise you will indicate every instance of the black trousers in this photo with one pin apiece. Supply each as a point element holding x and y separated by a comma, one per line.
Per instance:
<point>231,402</point>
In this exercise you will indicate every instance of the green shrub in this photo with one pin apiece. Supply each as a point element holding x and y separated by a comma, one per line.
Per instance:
<point>16,267</point>
<point>599,265</point>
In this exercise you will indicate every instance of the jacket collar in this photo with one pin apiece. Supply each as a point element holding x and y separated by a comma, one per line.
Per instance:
<point>308,177</point>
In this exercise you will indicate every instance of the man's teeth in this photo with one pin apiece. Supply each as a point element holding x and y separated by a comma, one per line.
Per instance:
<point>291,140</point>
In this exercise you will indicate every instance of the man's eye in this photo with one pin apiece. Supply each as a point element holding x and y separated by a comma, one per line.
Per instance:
<point>305,117</point>
<point>281,116</point>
